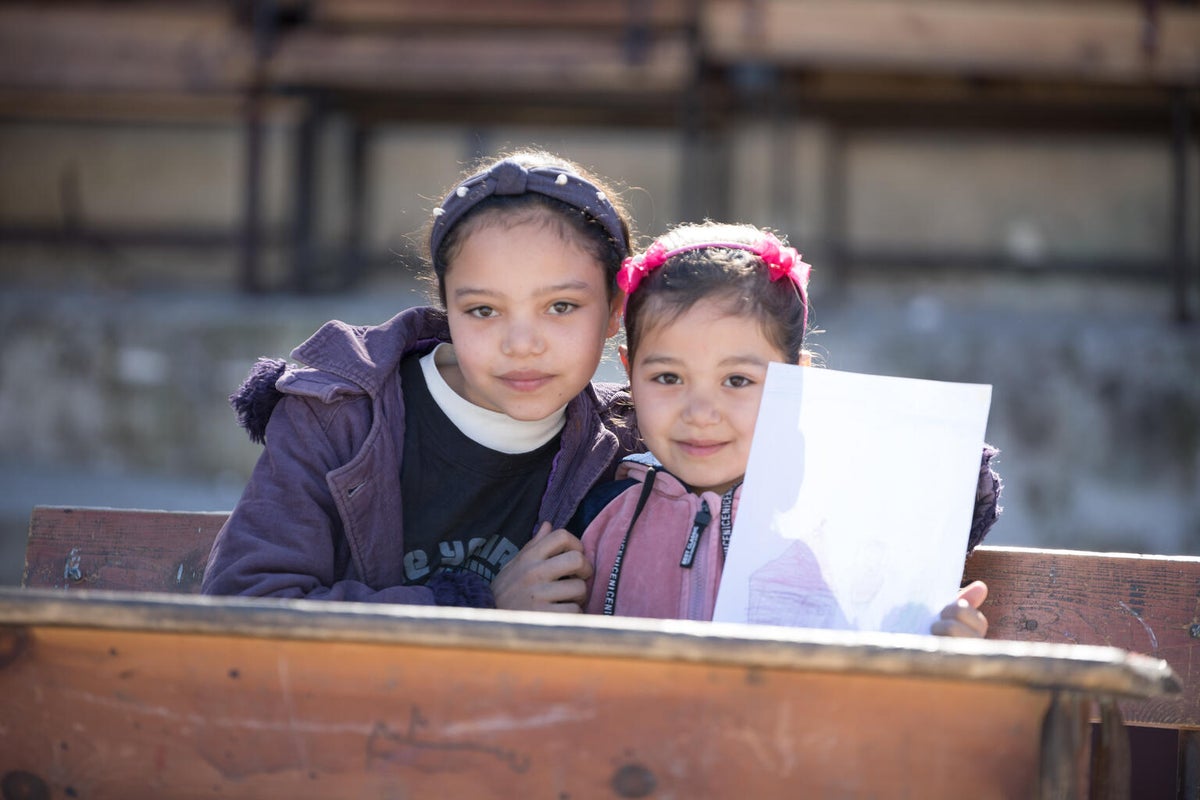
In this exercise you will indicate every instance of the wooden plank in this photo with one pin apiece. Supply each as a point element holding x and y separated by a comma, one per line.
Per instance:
<point>1101,670</point>
<point>122,47</point>
<point>1101,41</point>
<point>520,62</point>
<point>1141,603</point>
<point>512,13</point>
<point>107,548</point>
<point>126,106</point>
<point>362,702</point>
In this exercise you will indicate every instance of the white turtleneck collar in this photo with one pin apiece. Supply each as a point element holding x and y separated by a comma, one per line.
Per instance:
<point>491,429</point>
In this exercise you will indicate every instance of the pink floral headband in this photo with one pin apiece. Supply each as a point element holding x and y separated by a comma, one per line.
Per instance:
<point>782,261</point>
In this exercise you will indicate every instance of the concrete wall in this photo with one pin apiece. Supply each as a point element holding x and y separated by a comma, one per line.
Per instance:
<point>115,362</point>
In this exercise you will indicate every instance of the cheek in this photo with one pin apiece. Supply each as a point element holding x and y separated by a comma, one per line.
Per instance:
<point>654,414</point>
<point>469,343</point>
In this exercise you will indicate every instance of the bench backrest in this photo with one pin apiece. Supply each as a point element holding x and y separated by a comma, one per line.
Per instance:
<point>116,548</point>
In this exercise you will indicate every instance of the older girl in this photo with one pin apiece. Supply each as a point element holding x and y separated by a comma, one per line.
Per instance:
<point>412,462</point>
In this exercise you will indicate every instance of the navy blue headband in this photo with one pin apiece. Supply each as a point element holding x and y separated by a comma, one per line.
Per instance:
<point>508,177</point>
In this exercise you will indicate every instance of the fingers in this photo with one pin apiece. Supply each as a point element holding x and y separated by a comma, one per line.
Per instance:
<point>974,593</point>
<point>565,595</point>
<point>548,574</point>
<point>554,554</point>
<point>963,617</point>
<point>960,619</point>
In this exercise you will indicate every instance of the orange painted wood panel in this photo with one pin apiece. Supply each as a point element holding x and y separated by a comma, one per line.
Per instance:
<point>123,694</point>
<point>112,714</point>
<point>116,694</point>
<point>1144,604</point>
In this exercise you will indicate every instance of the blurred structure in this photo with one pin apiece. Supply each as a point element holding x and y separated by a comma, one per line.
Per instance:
<point>1000,191</point>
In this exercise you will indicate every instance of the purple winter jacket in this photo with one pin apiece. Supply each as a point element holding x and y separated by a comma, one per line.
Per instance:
<point>321,515</point>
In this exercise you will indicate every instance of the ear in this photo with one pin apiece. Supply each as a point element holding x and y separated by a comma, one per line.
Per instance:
<point>805,359</point>
<point>614,314</point>
<point>623,352</point>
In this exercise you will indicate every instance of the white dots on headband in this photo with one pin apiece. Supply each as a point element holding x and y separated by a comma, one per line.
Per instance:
<point>461,191</point>
<point>600,196</point>
<point>561,180</point>
<point>437,212</point>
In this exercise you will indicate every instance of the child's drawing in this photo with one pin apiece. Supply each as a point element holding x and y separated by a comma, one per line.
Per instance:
<point>857,502</point>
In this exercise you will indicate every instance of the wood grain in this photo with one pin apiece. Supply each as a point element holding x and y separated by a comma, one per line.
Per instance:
<point>1102,42</point>
<point>110,548</point>
<point>1141,603</point>
<point>122,47</point>
<point>140,704</point>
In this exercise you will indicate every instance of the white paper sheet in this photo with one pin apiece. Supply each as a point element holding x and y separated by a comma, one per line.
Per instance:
<point>857,503</point>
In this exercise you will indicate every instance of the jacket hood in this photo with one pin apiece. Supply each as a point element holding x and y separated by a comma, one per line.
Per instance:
<point>367,355</point>
<point>338,360</point>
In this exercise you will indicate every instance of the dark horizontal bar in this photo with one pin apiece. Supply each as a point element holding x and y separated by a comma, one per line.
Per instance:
<point>198,238</point>
<point>899,258</point>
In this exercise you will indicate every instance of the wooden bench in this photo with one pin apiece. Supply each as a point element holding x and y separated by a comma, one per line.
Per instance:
<point>1143,604</point>
<point>140,694</point>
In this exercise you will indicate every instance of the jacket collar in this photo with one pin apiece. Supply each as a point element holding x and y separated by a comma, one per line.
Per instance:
<point>368,355</point>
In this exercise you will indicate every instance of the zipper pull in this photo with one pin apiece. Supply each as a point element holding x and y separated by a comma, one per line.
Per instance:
<point>703,517</point>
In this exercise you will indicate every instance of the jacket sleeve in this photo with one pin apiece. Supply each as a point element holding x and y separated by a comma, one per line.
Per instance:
<point>987,499</point>
<point>285,536</point>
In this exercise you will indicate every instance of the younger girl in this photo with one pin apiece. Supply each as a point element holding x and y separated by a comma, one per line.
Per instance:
<point>708,307</point>
<point>411,462</point>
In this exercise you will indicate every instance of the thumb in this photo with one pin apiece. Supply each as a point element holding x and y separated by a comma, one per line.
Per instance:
<point>542,530</point>
<point>974,593</point>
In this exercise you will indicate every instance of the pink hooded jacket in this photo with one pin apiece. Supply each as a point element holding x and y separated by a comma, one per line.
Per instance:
<point>659,536</point>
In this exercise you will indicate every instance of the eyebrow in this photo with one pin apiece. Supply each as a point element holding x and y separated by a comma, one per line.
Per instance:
<point>555,288</point>
<point>734,360</point>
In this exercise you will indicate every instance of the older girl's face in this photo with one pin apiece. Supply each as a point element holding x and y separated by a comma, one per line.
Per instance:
<point>529,314</point>
<point>697,381</point>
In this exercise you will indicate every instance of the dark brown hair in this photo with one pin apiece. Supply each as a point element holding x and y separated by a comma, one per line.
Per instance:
<point>570,221</point>
<point>737,279</point>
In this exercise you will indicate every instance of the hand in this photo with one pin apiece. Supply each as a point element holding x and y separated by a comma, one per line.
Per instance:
<point>548,574</point>
<point>963,617</point>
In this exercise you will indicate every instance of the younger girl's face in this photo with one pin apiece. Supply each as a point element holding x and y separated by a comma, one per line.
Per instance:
<point>697,382</point>
<point>529,314</point>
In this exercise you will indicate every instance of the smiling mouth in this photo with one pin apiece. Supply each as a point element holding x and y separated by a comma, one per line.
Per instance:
<point>700,449</point>
<point>525,381</point>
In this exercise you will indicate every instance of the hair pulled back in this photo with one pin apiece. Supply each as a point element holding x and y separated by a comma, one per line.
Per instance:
<point>573,222</point>
<point>736,279</point>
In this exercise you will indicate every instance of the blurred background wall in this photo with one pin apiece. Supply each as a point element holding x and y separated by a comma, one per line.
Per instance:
<point>995,192</point>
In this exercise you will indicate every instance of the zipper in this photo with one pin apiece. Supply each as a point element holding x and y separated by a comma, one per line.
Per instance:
<point>703,517</point>
<point>698,571</point>
<point>701,564</point>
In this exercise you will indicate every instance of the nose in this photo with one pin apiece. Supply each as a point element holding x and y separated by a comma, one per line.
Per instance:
<point>700,408</point>
<point>523,338</point>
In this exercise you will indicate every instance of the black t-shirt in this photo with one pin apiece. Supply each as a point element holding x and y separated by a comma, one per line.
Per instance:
<point>465,505</point>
